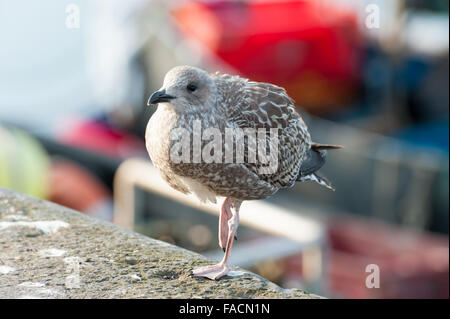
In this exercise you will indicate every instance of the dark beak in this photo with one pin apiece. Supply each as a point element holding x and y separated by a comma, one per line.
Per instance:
<point>159,97</point>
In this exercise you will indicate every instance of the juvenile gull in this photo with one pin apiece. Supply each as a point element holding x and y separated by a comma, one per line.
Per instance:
<point>191,97</point>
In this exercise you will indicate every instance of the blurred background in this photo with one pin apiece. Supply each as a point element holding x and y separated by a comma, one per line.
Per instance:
<point>370,75</point>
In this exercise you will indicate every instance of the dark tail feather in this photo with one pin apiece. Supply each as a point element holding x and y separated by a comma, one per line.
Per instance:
<point>317,146</point>
<point>314,160</point>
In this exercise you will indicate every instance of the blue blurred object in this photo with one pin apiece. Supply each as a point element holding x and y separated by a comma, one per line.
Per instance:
<point>423,81</point>
<point>413,72</point>
<point>430,135</point>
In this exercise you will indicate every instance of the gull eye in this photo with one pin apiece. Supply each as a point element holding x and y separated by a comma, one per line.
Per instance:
<point>191,87</point>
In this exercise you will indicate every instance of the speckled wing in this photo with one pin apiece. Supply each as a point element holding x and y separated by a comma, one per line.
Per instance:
<point>202,179</point>
<point>264,105</point>
<point>244,104</point>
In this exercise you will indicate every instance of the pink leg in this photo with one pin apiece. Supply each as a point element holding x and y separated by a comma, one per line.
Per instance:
<point>219,270</point>
<point>225,215</point>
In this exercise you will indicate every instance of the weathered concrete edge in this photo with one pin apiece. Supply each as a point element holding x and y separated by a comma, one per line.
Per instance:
<point>153,269</point>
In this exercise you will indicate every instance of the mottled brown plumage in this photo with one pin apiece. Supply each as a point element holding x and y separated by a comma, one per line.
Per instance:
<point>225,102</point>
<point>234,102</point>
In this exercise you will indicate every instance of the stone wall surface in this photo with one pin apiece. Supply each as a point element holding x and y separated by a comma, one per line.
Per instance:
<point>48,251</point>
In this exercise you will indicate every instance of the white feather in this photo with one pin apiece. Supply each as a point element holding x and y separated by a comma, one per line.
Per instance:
<point>202,192</point>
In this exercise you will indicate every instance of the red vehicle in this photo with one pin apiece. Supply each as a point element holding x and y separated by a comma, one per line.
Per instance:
<point>311,49</point>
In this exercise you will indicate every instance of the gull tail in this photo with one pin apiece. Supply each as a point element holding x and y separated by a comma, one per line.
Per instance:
<point>318,146</point>
<point>316,177</point>
<point>314,160</point>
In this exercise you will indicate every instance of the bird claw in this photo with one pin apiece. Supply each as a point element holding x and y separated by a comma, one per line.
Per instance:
<point>214,272</point>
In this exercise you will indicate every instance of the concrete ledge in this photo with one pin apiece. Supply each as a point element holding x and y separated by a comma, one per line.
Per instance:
<point>48,251</point>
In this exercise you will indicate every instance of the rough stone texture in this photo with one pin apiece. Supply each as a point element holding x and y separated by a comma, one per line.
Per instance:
<point>39,260</point>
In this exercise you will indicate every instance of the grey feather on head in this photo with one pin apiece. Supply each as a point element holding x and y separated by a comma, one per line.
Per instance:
<point>192,88</point>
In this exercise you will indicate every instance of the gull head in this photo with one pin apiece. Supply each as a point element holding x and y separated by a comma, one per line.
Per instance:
<point>186,88</point>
